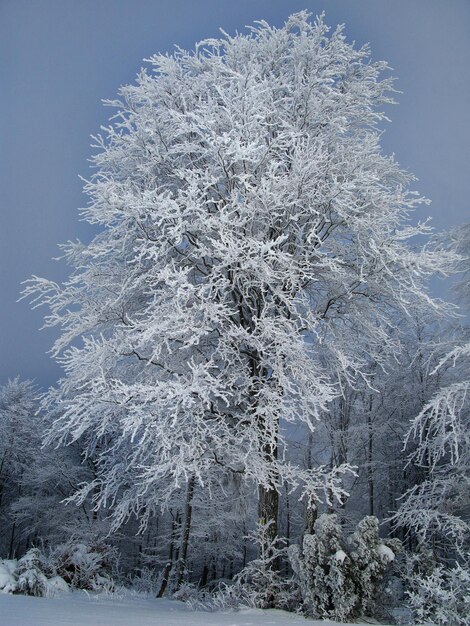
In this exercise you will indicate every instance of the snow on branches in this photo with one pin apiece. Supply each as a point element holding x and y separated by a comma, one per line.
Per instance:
<point>248,217</point>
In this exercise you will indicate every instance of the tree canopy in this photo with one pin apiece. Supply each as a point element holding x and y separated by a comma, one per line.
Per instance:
<point>251,230</point>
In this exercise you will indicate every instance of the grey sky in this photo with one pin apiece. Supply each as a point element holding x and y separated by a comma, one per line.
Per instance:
<point>59,58</point>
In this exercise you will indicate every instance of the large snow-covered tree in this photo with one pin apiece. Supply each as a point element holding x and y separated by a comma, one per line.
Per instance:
<point>246,216</point>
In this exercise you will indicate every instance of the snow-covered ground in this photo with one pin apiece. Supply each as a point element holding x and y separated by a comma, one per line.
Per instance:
<point>79,609</point>
<point>125,607</point>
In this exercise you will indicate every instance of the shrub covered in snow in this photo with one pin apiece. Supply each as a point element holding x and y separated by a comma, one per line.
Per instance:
<point>340,579</point>
<point>370,556</point>
<point>258,585</point>
<point>193,596</point>
<point>146,580</point>
<point>323,571</point>
<point>31,575</point>
<point>73,564</point>
<point>440,595</point>
<point>7,578</point>
<point>260,581</point>
<point>86,567</point>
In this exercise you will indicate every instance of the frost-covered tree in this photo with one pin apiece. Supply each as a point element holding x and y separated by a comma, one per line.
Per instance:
<point>441,597</point>
<point>20,441</point>
<point>35,480</point>
<point>400,385</point>
<point>437,507</point>
<point>247,217</point>
<point>341,578</point>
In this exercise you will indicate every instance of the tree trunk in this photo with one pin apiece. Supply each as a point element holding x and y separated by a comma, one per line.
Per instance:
<point>287,517</point>
<point>11,551</point>
<point>311,511</point>
<point>268,510</point>
<point>311,515</point>
<point>268,507</point>
<point>165,579</point>
<point>245,548</point>
<point>169,564</point>
<point>205,576</point>
<point>370,454</point>
<point>186,529</point>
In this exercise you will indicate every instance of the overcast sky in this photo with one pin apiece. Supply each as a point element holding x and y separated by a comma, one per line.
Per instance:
<point>59,58</point>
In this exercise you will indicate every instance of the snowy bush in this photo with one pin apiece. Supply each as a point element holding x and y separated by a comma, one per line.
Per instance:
<point>370,558</point>
<point>74,564</point>
<point>224,597</point>
<point>32,575</point>
<point>340,579</point>
<point>147,580</point>
<point>7,579</point>
<point>260,583</point>
<point>190,593</point>
<point>441,596</point>
<point>57,585</point>
<point>323,571</point>
<point>86,567</point>
<point>29,574</point>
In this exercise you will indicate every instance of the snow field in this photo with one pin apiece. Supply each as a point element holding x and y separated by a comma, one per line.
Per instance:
<point>82,609</point>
